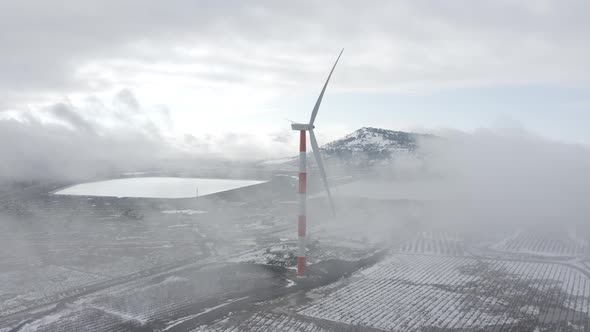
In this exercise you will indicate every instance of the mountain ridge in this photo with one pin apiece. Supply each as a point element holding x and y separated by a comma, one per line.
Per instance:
<point>374,141</point>
<point>364,147</point>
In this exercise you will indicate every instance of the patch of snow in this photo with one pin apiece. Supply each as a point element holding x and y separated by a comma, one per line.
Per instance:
<point>530,309</point>
<point>179,225</point>
<point>575,327</point>
<point>119,238</point>
<point>189,212</point>
<point>174,279</point>
<point>277,161</point>
<point>136,173</point>
<point>156,187</point>
<point>125,316</point>
<point>184,319</point>
<point>45,320</point>
<point>287,202</point>
<point>257,225</point>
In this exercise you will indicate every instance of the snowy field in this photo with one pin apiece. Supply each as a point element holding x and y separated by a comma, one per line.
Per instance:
<point>410,292</point>
<point>68,246</point>
<point>555,244</point>
<point>156,187</point>
<point>441,243</point>
<point>103,269</point>
<point>266,321</point>
<point>413,292</point>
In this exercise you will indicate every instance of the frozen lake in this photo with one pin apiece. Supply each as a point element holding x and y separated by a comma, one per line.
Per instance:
<point>156,187</point>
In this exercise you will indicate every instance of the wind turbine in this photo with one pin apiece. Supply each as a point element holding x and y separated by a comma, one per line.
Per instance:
<point>302,217</point>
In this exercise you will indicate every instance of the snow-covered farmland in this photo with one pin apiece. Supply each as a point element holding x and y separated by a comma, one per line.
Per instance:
<point>555,244</point>
<point>265,321</point>
<point>413,292</point>
<point>156,187</point>
<point>443,243</point>
<point>21,288</point>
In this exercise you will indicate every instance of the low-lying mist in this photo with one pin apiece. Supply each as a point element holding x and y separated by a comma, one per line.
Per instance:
<point>91,139</point>
<point>492,178</point>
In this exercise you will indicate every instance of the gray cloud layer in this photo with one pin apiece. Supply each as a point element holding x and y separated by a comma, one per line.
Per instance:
<point>52,49</point>
<point>67,142</point>
<point>391,44</point>
<point>505,177</point>
<point>64,141</point>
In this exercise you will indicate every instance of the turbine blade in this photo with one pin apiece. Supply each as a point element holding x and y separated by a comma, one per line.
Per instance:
<point>318,158</point>
<point>314,113</point>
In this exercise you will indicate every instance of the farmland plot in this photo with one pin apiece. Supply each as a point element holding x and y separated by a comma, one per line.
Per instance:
<point>442,243</point>
<point>145,303</point>
<point>70,245</point>
<point>414,292</point>
<point>20,289</point>
<point>554,244</point>
<point>80,319</point>
<point>265,321</point>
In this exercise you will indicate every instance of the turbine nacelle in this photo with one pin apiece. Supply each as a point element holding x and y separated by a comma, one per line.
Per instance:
<point>302,126</point>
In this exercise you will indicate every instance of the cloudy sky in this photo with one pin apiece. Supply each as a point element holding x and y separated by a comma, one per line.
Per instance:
<point>222,75</point>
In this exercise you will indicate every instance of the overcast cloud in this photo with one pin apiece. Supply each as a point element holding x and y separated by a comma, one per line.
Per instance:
<point>54,46</point>
<point>222,70</point>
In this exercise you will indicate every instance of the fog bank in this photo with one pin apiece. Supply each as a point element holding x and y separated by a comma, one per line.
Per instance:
<point>499,177</point>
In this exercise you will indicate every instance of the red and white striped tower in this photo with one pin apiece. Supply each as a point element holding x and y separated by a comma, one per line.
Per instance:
<point>303,128</point>
<point>302,216</point>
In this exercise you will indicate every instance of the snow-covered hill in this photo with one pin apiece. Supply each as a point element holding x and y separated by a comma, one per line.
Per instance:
<point>373,141</point>
<point>366,146</point>
<point>369,146</point>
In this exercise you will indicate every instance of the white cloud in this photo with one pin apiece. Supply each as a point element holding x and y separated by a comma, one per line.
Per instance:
<point>70,46</point>
<point>218,67</point>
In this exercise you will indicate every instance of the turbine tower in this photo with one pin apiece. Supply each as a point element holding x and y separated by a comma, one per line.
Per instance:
<point>302,216</point>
